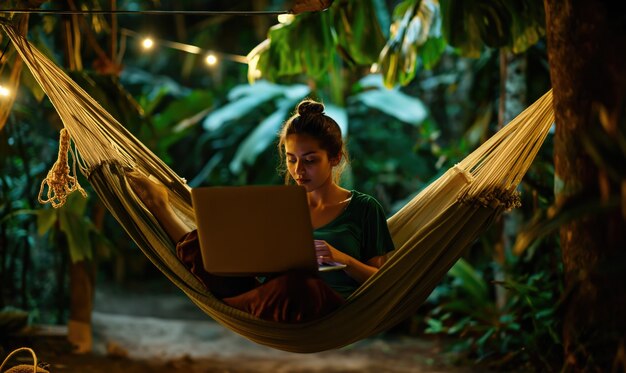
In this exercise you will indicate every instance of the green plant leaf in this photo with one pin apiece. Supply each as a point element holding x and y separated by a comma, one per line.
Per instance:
<point>460,325</point>
<point>262,136</point>
<point>45,220</point>
<point>76,204</point>
<point>527,25</point>
<point>248,98</point>
<point>77,234</point>
<point>415,23</point>
<point>340,115</point>
<point>460,27</point>
<point>434,326</point>
<point>471,25</point>
<point>103,245</point>
<point>481,341</point>
<point>391,101</point>
<point>18,213</point>
<point>358,31</point>
<point>470,280</point>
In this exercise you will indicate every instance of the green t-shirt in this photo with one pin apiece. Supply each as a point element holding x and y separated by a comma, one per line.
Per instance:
<point>360,231</point>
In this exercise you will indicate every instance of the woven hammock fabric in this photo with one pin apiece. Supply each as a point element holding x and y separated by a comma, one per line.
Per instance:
<point>430,232</point>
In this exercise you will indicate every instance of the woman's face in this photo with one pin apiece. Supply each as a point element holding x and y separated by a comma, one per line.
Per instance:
<point>307,163</point>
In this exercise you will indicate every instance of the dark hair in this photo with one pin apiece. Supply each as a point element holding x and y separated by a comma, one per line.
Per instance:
<point>310,119</point>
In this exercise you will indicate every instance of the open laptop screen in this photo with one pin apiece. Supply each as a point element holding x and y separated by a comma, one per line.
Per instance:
<point>253,230</point>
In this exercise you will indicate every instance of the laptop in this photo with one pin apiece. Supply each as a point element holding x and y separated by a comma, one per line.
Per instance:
<point>255,230</point>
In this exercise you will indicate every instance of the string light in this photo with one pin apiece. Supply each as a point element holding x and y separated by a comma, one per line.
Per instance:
<point>4,91</point>
<point>147,43</point>
<point>286,18</point>
<point>211,58</point>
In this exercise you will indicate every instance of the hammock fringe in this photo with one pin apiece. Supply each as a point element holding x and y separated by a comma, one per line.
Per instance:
<point>494,198</point>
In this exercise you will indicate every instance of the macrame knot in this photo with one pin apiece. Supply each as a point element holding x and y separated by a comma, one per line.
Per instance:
<point>60,182</point>
<point>494,198</point>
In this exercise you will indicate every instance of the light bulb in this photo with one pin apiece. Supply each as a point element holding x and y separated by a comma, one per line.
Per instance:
<point>211,59</point>
<point>286,18</point>
<point>4,91</point>
<point>147,43</point>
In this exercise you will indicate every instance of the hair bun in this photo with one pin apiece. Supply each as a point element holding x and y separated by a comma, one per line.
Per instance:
<point>310,107</point>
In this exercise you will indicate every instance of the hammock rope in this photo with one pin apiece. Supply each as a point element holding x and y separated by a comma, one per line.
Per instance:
<point>59,180</point>
<point>430,232</point>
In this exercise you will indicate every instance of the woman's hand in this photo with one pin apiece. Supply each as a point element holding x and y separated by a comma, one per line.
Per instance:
<point>153,195</point>
<point>359,271</point>
<point>326,253</point>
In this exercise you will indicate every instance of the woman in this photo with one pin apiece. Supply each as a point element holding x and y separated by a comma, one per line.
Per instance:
<point>349,228</point>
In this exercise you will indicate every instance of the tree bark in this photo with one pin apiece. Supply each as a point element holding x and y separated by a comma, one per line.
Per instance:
<point>586,51</point>
<point>81,305</point>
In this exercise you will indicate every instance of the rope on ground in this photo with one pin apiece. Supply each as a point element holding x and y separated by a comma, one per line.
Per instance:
<point>25,368</point>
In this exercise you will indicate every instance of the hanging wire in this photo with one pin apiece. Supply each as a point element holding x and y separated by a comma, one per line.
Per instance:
<point>150,12</point>
<point>187,47</point>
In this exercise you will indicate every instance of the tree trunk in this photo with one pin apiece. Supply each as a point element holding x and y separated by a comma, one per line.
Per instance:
<point>81,305</point>
<point>586,51</point>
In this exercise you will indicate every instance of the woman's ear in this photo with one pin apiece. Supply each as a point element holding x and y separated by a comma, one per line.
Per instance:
<point>335,160</point>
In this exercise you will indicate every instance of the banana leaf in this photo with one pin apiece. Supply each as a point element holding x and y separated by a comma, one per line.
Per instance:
<point>246,98</point>
<point>358,31</point>
<point>416,36</point>
<point>472,25</point>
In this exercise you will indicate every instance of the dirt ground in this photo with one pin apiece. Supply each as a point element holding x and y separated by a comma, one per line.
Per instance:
<point>162,331</point>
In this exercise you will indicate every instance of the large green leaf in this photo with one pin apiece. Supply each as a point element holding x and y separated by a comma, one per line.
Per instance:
<point>76,227</point>
<point>76,203</point>
<point>416,22</point>
<point>471,25</point>
<point>262,136</point>
<point>248,98</point>
<point>265,133</point>
<point>358,31</point>
<point>340,115</point>
<point>391,101</point>
<point>303,46</point>
<point>461,28</point>
<point>173,123</point>
<point>308,44</point>
<point>470,280</point>
<point>315,45</point>
<point>77,234</point>
<point>528,23</point>
<point>45,220</point>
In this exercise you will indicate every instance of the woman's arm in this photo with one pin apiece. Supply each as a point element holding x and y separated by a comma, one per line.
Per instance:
<point>155,197</point>
<point>379,260</point>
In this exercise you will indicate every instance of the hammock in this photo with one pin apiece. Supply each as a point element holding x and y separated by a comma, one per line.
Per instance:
<point>430,232</point>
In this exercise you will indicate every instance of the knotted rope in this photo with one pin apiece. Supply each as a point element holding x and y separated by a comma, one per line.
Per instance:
<point>24,368</point>
<point>59,180</point>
